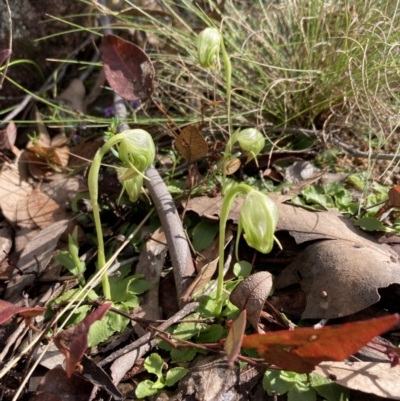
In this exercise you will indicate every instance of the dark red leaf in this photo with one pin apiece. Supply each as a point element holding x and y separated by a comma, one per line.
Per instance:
<point>302,349</point>
<point>3,55</point>
<point>77,337</point>
<point>394,196</point>
<point>8,310</point>
<point>127,68</point>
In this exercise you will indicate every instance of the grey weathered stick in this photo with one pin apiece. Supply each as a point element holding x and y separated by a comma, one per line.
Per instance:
<point>178,246</point>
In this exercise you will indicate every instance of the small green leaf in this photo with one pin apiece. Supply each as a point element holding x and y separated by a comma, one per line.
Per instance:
<point>99,331</point>
<point>302,393</point>
<point>145,388</point>
<point>371,224</point>
<point>174,375</point>
<point>279,382</point>
<point>138,286</point>
<point>132,302</point>
<point>188,330</point>
<point>154,364</point>
<point>180,355</point>
<point>117,321</point>
<point>211,334</point>
<point>315,194</point>
<point>203,235</point>
<point>242,268</point>
<point>327,389</point>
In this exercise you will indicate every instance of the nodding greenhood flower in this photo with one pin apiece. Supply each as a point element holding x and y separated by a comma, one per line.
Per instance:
<point>208,45</point>
<point>258,218</point>
<point>131,184</point>
<point>251,141</point>
<point>136,149</point>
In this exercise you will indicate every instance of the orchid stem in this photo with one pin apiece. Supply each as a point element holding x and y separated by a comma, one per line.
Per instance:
<point>93,184</point>
<point>229,197</point>
<point>228,78</point>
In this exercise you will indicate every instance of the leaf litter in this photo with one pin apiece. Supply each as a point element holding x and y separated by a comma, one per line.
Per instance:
<point>40,209</point>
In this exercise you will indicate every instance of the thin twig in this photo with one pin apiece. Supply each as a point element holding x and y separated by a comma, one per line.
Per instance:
<point>148,339</point>
<point>9,44</point>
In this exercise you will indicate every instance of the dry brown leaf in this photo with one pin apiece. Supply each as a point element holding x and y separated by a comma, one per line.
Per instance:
<point>12,190</point>
<point>43,210</point>
<point>34,259</point>
<point>56,386</point>
<point>340,277</point>
<point>250,294</point>
<point>191,144</point>
<point>370,377</point>
<point>58,156</point>
<point>207,264</point>
<point>232,165</point>
<point>83,153</point>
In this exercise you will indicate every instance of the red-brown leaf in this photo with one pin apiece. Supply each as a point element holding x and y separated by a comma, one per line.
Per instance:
<point>77,336</point>
<point>234,339</point>
<point>127,68</point>
<point>8,310</point>
<point>302,349</point>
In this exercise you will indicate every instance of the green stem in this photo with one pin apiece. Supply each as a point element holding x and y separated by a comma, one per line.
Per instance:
<point>229,197</point>
<point>93,183</point>
<point>228,78</point>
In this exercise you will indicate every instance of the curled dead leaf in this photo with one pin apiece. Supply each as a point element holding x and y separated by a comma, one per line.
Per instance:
<point>250,295</point>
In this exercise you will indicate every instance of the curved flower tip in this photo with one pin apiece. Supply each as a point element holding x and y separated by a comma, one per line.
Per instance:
<point>208,44</point>
<point>137,149</point>
<point>133,187</point>
<point>259,218</point>
<point>251,141</point>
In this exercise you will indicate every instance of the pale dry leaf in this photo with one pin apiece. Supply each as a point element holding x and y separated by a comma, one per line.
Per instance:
<point>251,294</point>
<point>23,218</point>
<point>12,190</point>
<point>34,259</point>
<point>300,171</point>
<point>339,277</point>
<point>6,239</point>
<point>59,140</point>
<point>21,239</point>
<point>8,136</point>
<point>64,190</point>
<point>43,210</point>
<point>151,263</point>
<point>74,95</point>
<point>370,377</point>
